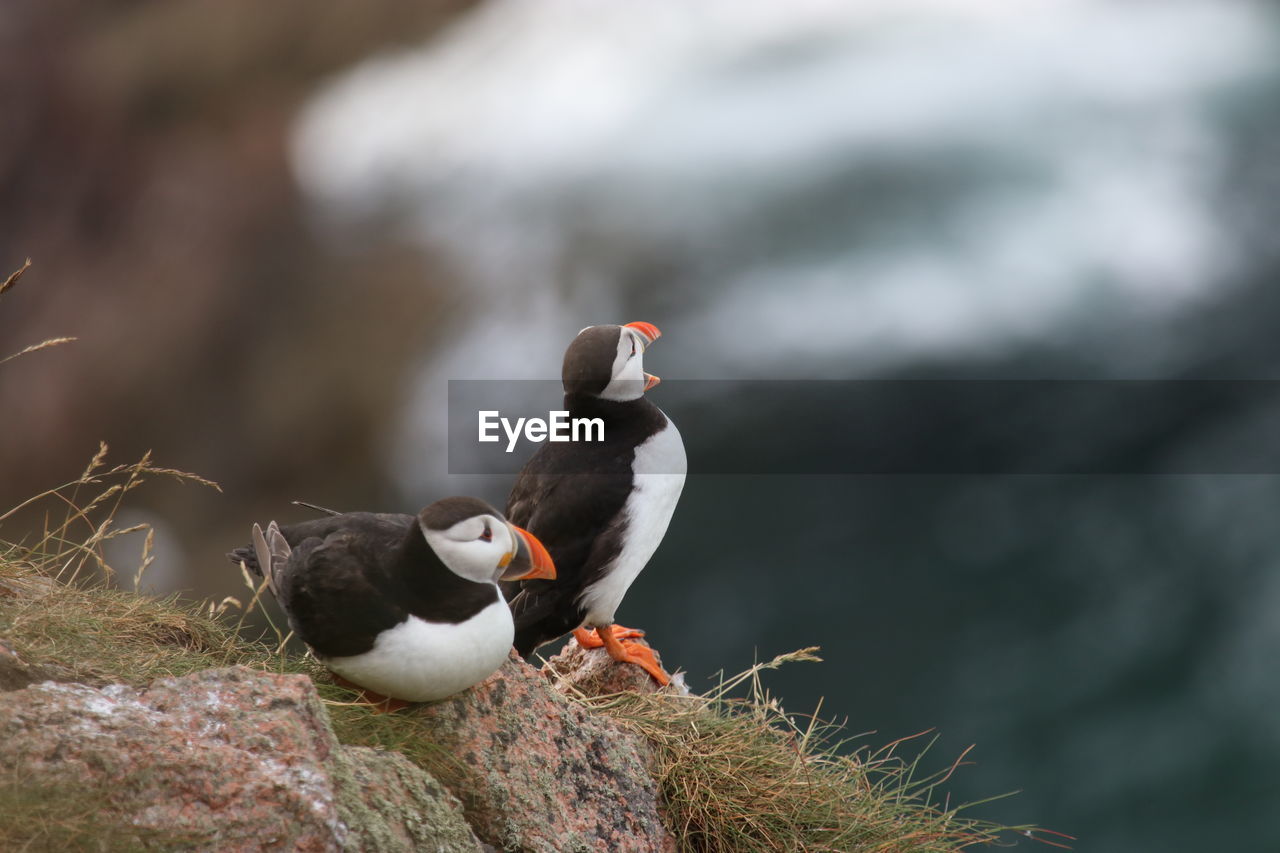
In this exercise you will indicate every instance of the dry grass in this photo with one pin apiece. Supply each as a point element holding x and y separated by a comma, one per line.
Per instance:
<point>14,276</point>
<point>45,344</point>
<point>740,774</point>
<point>76,523</point>
<point>62,606</point>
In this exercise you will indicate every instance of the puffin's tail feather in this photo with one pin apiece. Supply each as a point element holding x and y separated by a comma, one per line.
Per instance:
<point>272,551</point>
<point>248,557</point>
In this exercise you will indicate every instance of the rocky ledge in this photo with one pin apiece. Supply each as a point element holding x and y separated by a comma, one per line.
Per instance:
<point>241,759</point>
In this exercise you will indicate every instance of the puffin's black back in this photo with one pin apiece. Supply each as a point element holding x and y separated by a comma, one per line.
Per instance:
<point>352,576</point>
<point>388,528</point>
<point>571,495</point>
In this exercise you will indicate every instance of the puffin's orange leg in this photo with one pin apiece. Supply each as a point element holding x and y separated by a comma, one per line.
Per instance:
<point>641,656</point>
<point>591,639</point>
<point>377,702</point>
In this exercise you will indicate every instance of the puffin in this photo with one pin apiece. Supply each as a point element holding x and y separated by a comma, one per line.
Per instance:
<point>600,507</point>
<point>404,607</point>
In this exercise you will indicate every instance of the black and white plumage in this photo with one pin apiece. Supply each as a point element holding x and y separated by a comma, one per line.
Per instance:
<point>405,606</point>
<point>601,508</point>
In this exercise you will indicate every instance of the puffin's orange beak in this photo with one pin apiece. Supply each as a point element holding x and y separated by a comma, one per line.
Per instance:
<point>531,558</point>
<point>650,380</point>
<point>648,331</point>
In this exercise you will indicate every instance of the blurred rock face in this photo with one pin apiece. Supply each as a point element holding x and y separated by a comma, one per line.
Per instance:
<point>143,169</point>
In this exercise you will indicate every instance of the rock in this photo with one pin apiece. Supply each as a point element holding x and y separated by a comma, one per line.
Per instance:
<point>389,803</point>
<point>593,673</point>
<point>537,772</point>
<point>225,759</point>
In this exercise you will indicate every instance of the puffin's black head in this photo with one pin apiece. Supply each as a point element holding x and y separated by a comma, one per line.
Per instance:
<point>474,541</point>
<point>608,361</point>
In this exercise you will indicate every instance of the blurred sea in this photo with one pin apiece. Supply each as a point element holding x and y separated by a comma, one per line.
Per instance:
<point>897,190</point>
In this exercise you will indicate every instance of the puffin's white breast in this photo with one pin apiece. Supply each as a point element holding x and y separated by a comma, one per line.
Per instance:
<point>658,474</point>
<point>419,661</point>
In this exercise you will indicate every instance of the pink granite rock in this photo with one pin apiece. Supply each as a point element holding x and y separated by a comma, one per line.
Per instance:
<point>230,759</point>
<point>537,772</point>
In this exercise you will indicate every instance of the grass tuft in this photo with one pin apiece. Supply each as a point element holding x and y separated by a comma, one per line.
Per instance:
<point>740,774</point>
<point>73,534</point>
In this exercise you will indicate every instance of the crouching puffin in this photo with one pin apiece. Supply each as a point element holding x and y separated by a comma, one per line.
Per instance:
<point>403,606</point>
<point>601,508</point>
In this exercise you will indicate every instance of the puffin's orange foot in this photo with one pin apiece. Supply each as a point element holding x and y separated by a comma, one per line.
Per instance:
<point>378,703</point>
<point>645,658</point>
<point>640,655</point>
<point>591,639</point>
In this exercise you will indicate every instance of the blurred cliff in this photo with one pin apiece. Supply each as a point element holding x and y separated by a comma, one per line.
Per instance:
<point>144,169</point>
<point>279,232</point>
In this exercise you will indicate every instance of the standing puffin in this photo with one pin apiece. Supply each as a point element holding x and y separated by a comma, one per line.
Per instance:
<point>601,508</point>
<point>403,606</point>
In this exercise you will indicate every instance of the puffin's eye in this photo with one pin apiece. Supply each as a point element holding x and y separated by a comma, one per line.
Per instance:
<point>633,348</point>
<point>487,536</point>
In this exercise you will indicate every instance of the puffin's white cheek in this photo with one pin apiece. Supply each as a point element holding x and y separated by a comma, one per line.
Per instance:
<point>478,561</point>
<point>628,381</point>
<point>493,553</point>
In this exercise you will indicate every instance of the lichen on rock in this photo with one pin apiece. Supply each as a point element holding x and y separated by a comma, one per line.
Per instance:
<point>389,803</point>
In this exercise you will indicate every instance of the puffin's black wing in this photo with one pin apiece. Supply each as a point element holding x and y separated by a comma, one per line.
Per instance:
<point>334,586</point>
<point>531,490</point>
<point>575,515</point>
<point>568,497</point>
<point>572,497</point>
<point>337,593</point>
